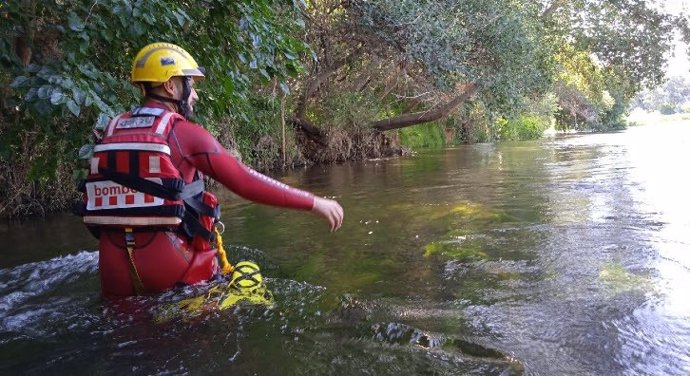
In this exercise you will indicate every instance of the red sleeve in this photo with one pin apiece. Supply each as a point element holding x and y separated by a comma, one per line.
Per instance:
<point>194,148</point>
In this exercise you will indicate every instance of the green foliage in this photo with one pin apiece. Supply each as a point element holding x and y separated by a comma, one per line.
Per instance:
<point>347,110</point>
<point>499,45</point>
<point>85,66</point>
<point>64,64</point>
<point>685,107</point>
<point>592,55</point>
<point>667,109</point>
<point>543,107</point>
<point>581,73</point>
<point>522,128</point>
<point>473,122</point>
<point>259,142</point>
<point>610,51</point>
<point>589,98</point>
<point>429,135</point>
<point>631,35</point>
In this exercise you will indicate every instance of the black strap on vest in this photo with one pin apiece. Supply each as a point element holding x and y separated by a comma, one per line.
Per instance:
<point>173,189</point>
<point>197,205</point>
<point>191,226</point>
<point>170,189</point>
<point>192,189</point>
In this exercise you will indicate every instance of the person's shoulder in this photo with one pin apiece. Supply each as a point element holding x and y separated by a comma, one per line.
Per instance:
<point>192,134</point>
<point>183,123</point>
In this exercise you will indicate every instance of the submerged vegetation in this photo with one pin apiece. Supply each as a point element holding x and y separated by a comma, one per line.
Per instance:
<point>465,242</point>
<point>298,82</point>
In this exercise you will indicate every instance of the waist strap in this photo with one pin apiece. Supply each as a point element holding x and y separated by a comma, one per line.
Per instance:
<point>170,189</point>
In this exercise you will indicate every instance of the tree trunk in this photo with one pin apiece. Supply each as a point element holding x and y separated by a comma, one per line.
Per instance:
<point>407,120</point>
<point>313,132</point>
<point>24,41</point>
<point>313,83</point>
<point>282,126</point>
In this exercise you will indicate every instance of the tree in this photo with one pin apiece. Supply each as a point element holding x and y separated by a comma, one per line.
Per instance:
<point>417,61</point>
<point>628,42</point>
<point>672,95</point>
<point>422,60</point>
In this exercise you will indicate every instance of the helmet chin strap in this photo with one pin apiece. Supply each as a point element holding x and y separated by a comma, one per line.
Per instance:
<point>183,107</point>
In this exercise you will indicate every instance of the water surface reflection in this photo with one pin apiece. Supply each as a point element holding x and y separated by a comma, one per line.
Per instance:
<point>566,256</point>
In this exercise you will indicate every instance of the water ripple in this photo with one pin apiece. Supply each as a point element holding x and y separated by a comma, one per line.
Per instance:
<point>37,295</point>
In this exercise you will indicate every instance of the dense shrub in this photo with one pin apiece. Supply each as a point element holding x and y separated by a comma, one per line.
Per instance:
<point>65,66</point>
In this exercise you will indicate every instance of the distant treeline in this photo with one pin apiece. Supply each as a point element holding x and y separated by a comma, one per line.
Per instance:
<point>670,98</point>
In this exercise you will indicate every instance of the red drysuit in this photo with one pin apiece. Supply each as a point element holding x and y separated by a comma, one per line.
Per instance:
<point>166,258</point>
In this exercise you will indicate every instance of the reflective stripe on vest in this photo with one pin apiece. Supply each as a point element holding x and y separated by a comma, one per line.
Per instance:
<point>143,146</point>
<point>107,194</point>
<point>130,221</point>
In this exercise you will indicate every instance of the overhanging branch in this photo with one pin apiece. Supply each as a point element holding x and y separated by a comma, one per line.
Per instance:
<point>407,120</point>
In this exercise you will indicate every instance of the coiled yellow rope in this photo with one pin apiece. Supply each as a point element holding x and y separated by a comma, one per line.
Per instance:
<point>225,266</point>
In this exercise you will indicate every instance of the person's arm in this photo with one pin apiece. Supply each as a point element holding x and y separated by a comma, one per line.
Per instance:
<point>200,149</point>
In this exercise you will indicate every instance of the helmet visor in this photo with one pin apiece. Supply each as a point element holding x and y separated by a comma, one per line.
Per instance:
<point>197,73</point>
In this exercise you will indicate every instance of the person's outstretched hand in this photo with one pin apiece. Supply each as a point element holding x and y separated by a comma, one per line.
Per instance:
<point>329,209</point>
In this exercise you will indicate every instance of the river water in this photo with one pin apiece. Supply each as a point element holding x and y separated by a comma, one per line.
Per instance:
<point>564,256</point>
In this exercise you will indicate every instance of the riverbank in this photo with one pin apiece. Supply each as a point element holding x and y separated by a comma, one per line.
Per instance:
<point>38,199</point>
<point>28,198</point>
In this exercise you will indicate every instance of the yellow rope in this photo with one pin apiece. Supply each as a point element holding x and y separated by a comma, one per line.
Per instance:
<point>225,266</point>
<point>133,273</point>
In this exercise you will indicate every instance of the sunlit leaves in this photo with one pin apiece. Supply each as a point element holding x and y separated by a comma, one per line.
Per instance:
<point>610,51</point>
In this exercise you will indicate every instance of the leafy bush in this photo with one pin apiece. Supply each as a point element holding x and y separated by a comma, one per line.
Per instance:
<point>522,128</point>
<point>428,135</point>
<point>65,66</point>
<point>346,110</point>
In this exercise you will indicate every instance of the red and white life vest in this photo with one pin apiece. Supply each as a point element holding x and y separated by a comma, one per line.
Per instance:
<point>132,181</point>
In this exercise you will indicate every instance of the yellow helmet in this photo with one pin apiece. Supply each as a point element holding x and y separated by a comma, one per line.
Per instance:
<point>158,62</point>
